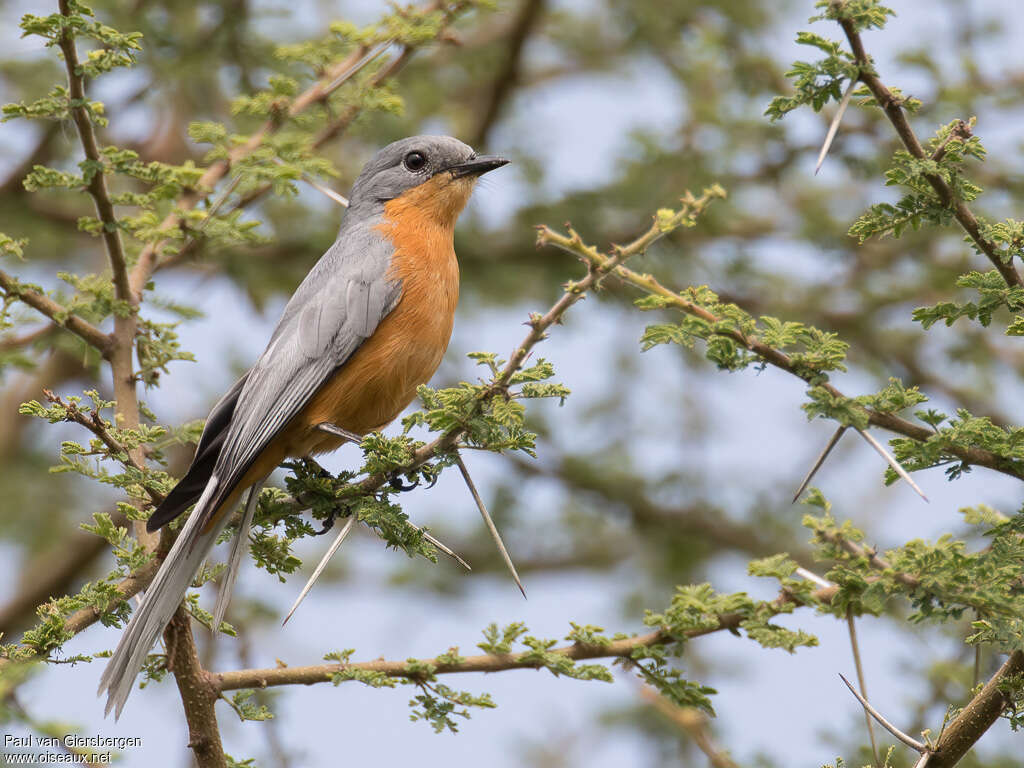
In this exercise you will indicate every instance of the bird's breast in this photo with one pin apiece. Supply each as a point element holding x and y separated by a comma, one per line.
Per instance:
<point>381,377</point>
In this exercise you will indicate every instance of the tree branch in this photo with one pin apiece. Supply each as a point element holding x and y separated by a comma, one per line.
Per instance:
<point>508,77</point>
<point>97,184</point>
<point>621,649</point>
<point>43,304</point>
<point>977,717</point>
<point>197,690</point>
<point>776,357</point>
<point>893,108</point>
<point>122,340</point>
<point>329,132</point>
<point>95,424</point>
<point>84,618</point>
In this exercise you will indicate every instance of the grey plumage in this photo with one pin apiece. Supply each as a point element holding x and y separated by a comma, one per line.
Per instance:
<point>339,305</point>
<point>238,550</point>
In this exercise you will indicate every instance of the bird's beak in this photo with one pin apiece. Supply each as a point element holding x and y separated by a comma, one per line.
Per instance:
<point>478,166</point>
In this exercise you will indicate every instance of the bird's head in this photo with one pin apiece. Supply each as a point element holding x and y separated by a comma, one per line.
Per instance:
<point>436,174</point>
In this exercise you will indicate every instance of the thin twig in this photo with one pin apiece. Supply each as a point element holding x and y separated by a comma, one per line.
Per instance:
<point>95,424</point>
<point>60,316</point>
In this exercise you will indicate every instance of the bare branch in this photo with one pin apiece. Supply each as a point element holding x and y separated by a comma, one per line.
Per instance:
<point>197,690</point>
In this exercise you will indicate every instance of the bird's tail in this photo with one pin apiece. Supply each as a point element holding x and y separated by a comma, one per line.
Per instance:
<point>162,598</point>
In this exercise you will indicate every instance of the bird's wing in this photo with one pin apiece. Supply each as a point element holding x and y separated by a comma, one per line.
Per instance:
<point>337,307</point>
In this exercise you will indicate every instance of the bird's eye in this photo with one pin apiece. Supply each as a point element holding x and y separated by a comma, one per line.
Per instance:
<point>415,161</point>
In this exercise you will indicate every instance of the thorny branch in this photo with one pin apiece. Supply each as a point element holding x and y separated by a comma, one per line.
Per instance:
<point>772,356</point>
<point>893,108</point>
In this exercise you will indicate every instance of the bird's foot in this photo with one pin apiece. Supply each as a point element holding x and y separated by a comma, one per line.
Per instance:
<point>330,519</point>
<point>395,481</point>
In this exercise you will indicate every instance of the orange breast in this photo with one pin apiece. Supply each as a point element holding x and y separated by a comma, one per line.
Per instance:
<point>381,378</point>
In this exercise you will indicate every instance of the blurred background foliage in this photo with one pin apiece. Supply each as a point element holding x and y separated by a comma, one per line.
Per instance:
<point>659,470</point>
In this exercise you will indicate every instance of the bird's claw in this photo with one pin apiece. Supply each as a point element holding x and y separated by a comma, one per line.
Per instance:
<point>395,481</point>
<point>328,522</point>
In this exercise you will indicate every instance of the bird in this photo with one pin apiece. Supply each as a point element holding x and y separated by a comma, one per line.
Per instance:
<point>368,325</point>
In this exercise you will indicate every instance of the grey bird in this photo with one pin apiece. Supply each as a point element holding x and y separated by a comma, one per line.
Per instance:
<point>367,326</point>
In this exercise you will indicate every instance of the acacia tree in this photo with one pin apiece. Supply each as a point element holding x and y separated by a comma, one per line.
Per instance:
<point>154,212</point>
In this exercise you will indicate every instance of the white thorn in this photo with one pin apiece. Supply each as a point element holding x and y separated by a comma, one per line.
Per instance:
<point>910,742</point>
<point>820,460</point>
<point>833,128</point>
<point>322,564</point>
<point>440,545</point>
<point>813,577</point>
<point>897,467</point>
<point>488,522</point>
